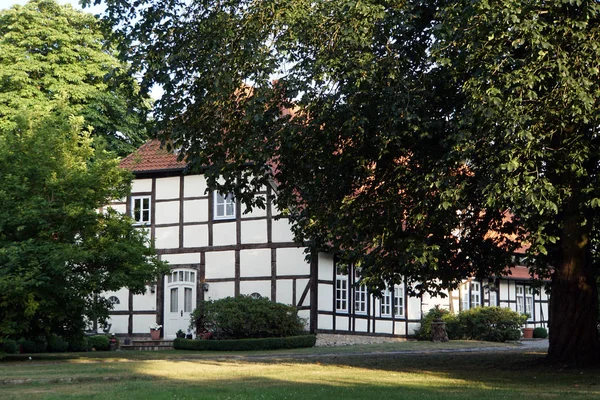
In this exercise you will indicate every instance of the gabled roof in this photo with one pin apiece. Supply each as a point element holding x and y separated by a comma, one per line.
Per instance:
<point>152,157</point>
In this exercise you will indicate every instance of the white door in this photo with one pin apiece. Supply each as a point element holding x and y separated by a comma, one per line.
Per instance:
<point>180,300</point>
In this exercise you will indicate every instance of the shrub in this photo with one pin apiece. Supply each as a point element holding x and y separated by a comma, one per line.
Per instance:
<point>57,344</point>
<point>540,333</point>
<point>9,346</point>
<point>291,342</point>
<point>35,345</point>
<point>98,342</point>
<point>452,324</point>
<point>494,324</point>
<point>78,344</point>
<point>246,317</point>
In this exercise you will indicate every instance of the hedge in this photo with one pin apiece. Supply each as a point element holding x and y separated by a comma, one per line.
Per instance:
<point>291,342</point>
<point>98,342</point>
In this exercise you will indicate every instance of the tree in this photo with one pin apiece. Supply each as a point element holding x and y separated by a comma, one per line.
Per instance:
<point>57,251</point>
<point>53,53</point>
<point>422,140</point>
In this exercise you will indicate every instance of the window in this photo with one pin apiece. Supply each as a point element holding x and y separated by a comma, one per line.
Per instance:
<point>360,300</point>
<point>224,206</point>
<point>341,290</point>
<point>398,301</point>
<point>520,291</point>
<point>470,296</point>
<point>114,300</point>
<point>493,298</point>
<point>525,300</point>
<point>174,301</point>
<point>386,303</point>
<point>140,210</point>
<point>187,300</point>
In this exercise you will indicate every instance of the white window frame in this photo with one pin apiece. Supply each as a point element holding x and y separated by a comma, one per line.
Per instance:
<point>227,202</point>
<point>385,303</point>
<point>520,299</point>
<point>341,291</point>
<point>141,220</point>
<point>470,295</point>
<point>493,298</point>
<point>475,294</point>
<point>360,299</point>
<point>529,302</point>
<point>399,301</point>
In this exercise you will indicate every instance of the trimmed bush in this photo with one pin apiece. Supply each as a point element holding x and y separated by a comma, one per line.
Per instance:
<point>36,345</point>
<point>540,333</point>
<point>57,344</point>
<point>98,342</point>
<point>9,346</point>
<point>452,324</point>
<point>245,317</point>
<point>493,324</point>
<point>78,344</point>
<point>291,342</point>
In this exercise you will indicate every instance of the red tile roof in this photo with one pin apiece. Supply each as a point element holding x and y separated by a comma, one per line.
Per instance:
<point>152,157</point>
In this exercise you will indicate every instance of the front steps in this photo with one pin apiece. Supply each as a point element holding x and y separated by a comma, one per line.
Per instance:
<point>147,344</point>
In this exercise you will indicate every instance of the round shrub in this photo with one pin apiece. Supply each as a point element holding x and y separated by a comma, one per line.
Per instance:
<point>98,342</point>
<point>78,344</point>
<point>452,324</point>
<point>9,346</point>
<point>540,333</point>
<point>494,324</point>
<point>244,317</point>
<point>57,344</point>
<point>35,345</point>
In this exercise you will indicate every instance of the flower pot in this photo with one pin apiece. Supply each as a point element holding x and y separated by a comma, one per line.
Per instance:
<point>527,333</point>
<point>155,334</point>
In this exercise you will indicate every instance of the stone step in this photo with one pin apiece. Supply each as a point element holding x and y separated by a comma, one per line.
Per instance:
<point>148,345</point>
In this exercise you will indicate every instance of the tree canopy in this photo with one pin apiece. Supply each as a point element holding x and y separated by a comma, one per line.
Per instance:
<point>423,140</point>
<point>54,53</point>
<point>57,251</point>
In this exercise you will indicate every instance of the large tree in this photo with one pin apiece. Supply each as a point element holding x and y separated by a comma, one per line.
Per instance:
<point>54,53</point>
<point>59,250</point>
<point>426,139</point>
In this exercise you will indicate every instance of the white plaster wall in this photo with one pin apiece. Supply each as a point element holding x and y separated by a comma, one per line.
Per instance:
<point>195,236</point>
<point>120,323</point>
<point>184,258</point>
<point>285,291</point>
<point>504,291</point>
<point>399,328</point>
<point>141,323</point>
<point>122,295</point>
<point>282,231</point>
<point>301,284</point>
<point>341,323</point>
<point>167,237</point>
<point>220,264</point>
<point>120,208</point>
<point>412,327</point>
<point>195,210</point>
<point>414,307</point>
<point>361,325</point>
<point>261,287</point>
<point>324,322</point>
<point>255,262</point>
<point>141,185</point>
<point>325,266</point>
<point>194,186</point>
<point>224,234</point>
<point>167,188</point>
<point>254,231</point>
<point>145,301</point>
<point>220,290</point>
<point>167,212</point>
<point>383,326</point>
<point>291,261</point>
<point>256,212</point>
<point>305,316</point>
<point>325,297</point>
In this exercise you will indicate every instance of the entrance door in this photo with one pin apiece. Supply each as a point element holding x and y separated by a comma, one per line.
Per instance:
<point>180,300</point>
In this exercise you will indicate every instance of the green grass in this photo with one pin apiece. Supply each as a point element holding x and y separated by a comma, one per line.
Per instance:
<point>503,374</point>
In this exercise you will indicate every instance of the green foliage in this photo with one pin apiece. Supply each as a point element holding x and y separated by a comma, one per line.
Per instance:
<point>78,344</point>
<point>247,317</point>
<point>57,252</point>
<point>34,345</point>
<point>57,344</point>
<point>453,328</point>
<point>52,54</point>
<point>540,333</point>
<point>98,342</point>
<point>9,346</point>
<point>273,343</point>
<point>493,324</point>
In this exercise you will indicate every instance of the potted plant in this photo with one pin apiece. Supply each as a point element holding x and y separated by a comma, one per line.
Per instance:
<point>180,334</point>
<point>155,331</point>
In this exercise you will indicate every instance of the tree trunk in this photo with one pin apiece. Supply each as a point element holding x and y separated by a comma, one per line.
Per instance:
<point>574,298</point>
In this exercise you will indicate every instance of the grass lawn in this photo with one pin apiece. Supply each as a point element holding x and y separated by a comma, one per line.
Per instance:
<point>505,374</point>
